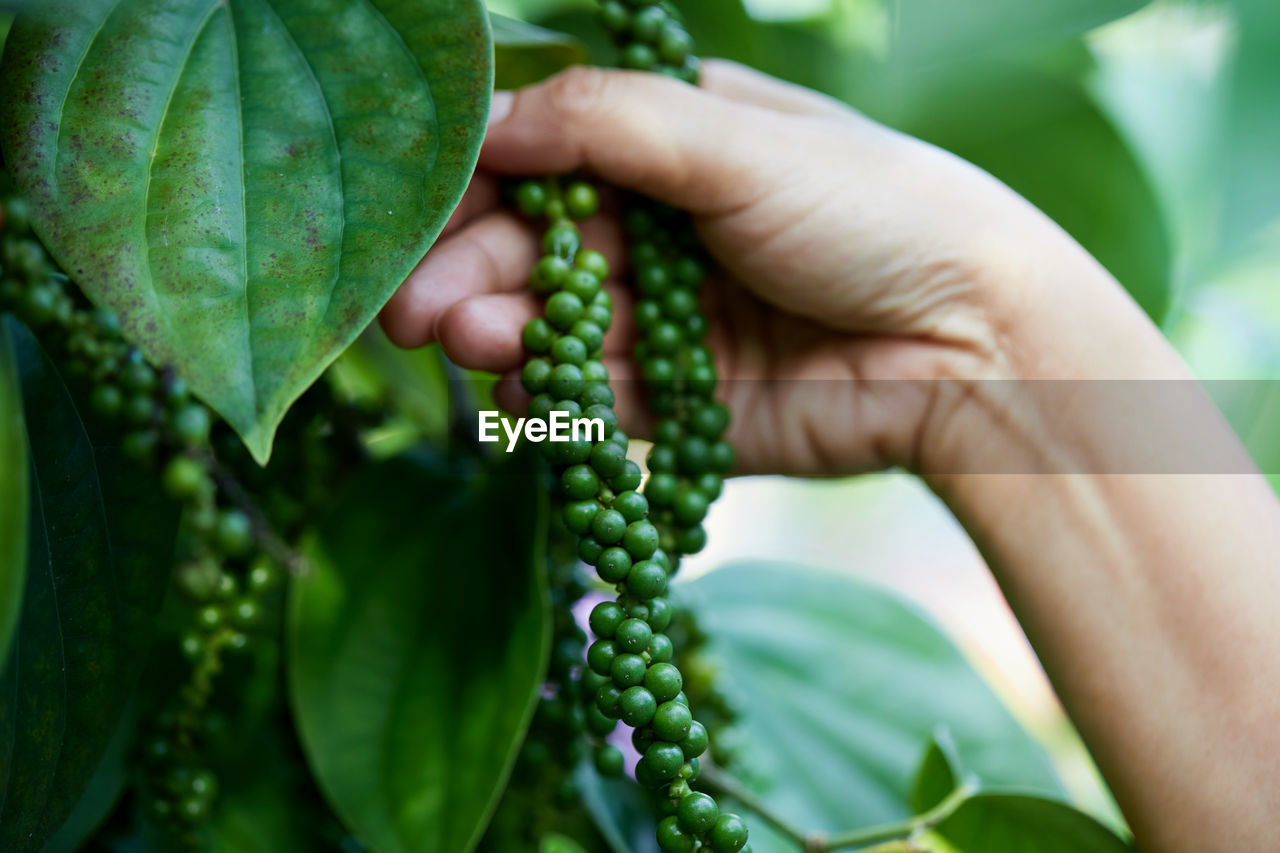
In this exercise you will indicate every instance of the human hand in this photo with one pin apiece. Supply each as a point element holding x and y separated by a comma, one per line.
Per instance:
<point>850,255</point>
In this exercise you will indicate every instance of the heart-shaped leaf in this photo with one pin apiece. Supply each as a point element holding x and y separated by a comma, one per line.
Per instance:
<point>418,641</point>
<point>13,493</point>
<point>100,542</point>
<point>840,683</point>
<point>245,181</point>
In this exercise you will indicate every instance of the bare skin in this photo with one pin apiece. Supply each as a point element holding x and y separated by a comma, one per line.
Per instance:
<point>853,253</point>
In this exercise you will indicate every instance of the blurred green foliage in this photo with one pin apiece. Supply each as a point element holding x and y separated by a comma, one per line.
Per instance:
<point>1147,130</point>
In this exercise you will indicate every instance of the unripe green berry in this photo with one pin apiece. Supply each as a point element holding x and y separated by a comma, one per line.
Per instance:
<point>579,483</point>
<point>246,613</point>
<point>107,400</point>
<point>663,681</point>
<point>671,721</point>
<point>566,381</point>
<point>589,550</point>
<point>537,336</point>
<point>608,526</point>
<point>608,459</point>
<point>600,655</point>
<point>660,648</point>
<point>605,618</point>
<point>673,839</point>
<point>531,198</point>
<point>184,478</point>
<point>694,743</point>
<point>633,505</point>
<point>191,424</point>
<point>613,565</point>
<point>639,57</point>
<point>662,488</point>
<point>581,200</point>
<point>628,479</point>
<point>535,375</point>
<point>697,813</point>
<point>593,262</point>
<point>664,760</point>
<point>728,835</point>
<point>563,310</point>
<point>721,457</point>
<point>609,760</point>
<point>674,47</point>
<point>140,409</point>
<point>608,701</point>
<point>633,636</point>
<point>548,274</point>
<point>597,722</point>
<point>646,579</point>
<point>627,670</point>
<point>235,532</point>
<point>591,335</point>
<point>646,24</point>
<point>209,618</point>
<point>637,706</point>
<point>614,16</point>
<point>690,507</point>
<point>562,241</point>
<point>596,393</point>
<point>690,540</point>
<point>659,614</point>
<point>640,539</point>
<point>578,516</point>
<point>583,285</point>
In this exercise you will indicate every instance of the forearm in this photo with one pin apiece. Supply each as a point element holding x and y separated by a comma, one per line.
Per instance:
<point>1149,597</point>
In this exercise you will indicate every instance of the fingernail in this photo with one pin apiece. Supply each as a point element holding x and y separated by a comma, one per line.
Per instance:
<point>500,106</point>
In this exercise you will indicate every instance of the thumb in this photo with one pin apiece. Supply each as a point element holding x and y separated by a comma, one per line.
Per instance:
<point>675,142</point>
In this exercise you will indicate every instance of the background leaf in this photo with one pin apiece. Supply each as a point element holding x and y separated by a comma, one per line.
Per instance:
<point>417,644</point>
<point>841,683</point>
<point>101,539</point>
<point>1021,823</point>
<point>13,493</point>
<point>524,53</point>
<point>245,182</point>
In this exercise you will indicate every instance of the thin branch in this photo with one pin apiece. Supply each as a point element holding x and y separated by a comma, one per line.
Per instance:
<point>892,834</point>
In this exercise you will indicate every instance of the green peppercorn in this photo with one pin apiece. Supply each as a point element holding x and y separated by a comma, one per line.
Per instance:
<point>728,834</point>
<point>637,706</point>
<point>581,200</point>
<point>563,310</point>
<point>609,760</point>
<point>664,760</point>
<point>640,57</point>
<point>562,241</point>
<point>184,478</point>
<point>697,813</point>
<point>628,479</point>
<point>531,198</point>
<point>627,670</point>
<point>235,532</point>
<point>605,618</point>
<point>548,274</point>
<point>633,635</point>
<point>647,579</point>
<point>566,380</point>
<point>660,648</point>
<point>537,336</point>
<point>694,743</point>
<point>600,655</point>
<point>613,565</point>
<point>671,721</point>
<point>191,424</point>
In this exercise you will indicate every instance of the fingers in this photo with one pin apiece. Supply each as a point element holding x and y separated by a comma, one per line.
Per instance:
<point>491,255</point>
<point>484,332</point>
<point>741,83</point>
<point>481,197</point>
<point>640,131</point>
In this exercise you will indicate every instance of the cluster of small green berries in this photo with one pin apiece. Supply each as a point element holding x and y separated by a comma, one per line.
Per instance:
<point>158,423</point>
<point>650,37</point>
<point>628,676</point>
<point>689,457</point>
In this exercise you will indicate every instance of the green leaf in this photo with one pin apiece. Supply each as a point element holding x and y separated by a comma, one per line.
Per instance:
<point>939,772</point>
<point>994,821</point>
<point>841,682</point>
<point>1040,133</point>
<point>245,181</point>
<point>100,794</point>
<point>1252,128</point>
<point>524,53</point>
<point>418,641</point>
<point>1020,823</point>
<point>618,809</point>
<point>13,493</point>
<point>100,543</point>
<point>932,32</point>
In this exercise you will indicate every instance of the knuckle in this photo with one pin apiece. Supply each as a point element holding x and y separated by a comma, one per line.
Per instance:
<point>579,92</point>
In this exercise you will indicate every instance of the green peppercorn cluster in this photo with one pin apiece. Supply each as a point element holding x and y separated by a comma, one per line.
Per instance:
<point>157,424</point>
<point>689,457</point>
<point>629,676</point>
<point>650,37</point>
